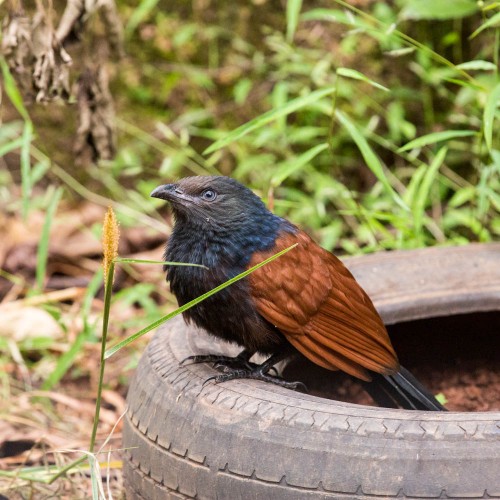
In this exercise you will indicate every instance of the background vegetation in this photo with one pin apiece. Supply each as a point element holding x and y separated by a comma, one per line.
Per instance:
<point>373,125</point>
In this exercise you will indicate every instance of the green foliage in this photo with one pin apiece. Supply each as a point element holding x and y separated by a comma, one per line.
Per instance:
<point>490,109</point>
<point>66,360</point>
<point>338,130</point>
<point>270,116</point>
<point>370,157</point>
<point>43,245</point>
<point>331,113</point>
<point>442,10</point>
<point>27,135</point>
<point>292,18</point>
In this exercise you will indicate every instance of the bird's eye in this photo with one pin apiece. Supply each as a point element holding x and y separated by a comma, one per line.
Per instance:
<point>209,195</point>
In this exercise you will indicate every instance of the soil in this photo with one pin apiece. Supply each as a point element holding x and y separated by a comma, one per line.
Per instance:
<point>458,357</point>
<point>469,386</point>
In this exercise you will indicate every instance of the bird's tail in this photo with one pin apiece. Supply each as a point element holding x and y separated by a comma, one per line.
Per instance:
<point>402,390</point>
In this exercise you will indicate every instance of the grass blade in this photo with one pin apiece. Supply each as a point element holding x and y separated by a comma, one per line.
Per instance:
<point>95,478</point>
<point>375,24</point>
<point>192,303</point>
<point>427,139</point>
<point>477,65</point>
<point>140,13</point>
<point>12,91</point>
<point>492,21</point>
<point>443,10</point>
<point>292,18</point>
<point>288,167</point>
<point>420,200</point>
<point>370,157</point>
<point>26,167</point>
<point>90,195</point>
<point>356,75</point>
<point>15,97</point>
<point>411,192</point>
<point>163,262</point>
<point>10,146</point>
<point>65,361</point>
<point>329,15</point>
<point>43,246</point>
<point>489,114</point>
<point>269,116</point>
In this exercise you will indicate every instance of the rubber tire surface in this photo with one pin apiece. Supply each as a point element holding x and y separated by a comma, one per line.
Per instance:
<point>251,440</point>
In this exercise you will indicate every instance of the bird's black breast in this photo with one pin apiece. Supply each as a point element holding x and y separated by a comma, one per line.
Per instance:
<point>229,314</point>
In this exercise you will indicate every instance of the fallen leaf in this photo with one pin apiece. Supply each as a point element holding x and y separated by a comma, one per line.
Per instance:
<point>21,323</point>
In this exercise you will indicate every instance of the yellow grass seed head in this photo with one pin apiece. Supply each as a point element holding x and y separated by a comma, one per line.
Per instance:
<point>110,239</point>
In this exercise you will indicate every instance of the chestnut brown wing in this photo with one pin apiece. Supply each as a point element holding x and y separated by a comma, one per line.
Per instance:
<point>311,297</point>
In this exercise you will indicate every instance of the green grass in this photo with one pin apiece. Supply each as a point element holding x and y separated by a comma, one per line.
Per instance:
<point>43,246</point>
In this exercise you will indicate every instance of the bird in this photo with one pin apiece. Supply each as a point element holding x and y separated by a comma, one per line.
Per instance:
<point>306,301</point>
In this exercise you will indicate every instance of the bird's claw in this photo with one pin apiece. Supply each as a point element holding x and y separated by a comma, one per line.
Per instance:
<point>220,362</point>
<point>209,379</point>
<point>254,374</point>
<point>295,386</point>
<point>223,363</point>
<point>239,367</point>
<point>205,358</point>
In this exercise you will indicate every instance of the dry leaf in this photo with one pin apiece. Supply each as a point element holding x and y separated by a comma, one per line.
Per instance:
<point>95,135</point>
<point>51,67</point>
<point>21,323</point>
<point>17,49</point>
<point>36,58</point>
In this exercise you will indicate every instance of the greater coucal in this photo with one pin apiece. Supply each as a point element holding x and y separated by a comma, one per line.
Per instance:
<point>305,301</point>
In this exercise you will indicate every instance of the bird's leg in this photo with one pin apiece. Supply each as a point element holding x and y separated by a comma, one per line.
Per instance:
<point>259,372</point>
<point>224,363</point>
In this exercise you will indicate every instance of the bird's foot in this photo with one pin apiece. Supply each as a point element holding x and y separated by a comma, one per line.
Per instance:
<point>240,367</point>
<point>255,373</point>
<point>222,363</point>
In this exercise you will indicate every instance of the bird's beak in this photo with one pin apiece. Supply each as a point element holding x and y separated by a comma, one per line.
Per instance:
<point>165,192</point>
<point>172,193</point>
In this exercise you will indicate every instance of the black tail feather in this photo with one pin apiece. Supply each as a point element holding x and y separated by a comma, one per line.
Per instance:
<point>401,390</point>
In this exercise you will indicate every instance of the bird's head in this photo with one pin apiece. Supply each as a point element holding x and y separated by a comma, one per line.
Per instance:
<point>217,203</point>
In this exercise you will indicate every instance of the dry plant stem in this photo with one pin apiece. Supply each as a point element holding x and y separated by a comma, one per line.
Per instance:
<point>95,136</point>
<point>73,293</point>
<point>112,21</point>
<point>16,5</point>
<point>73,12</point>
<point>78,11</point>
